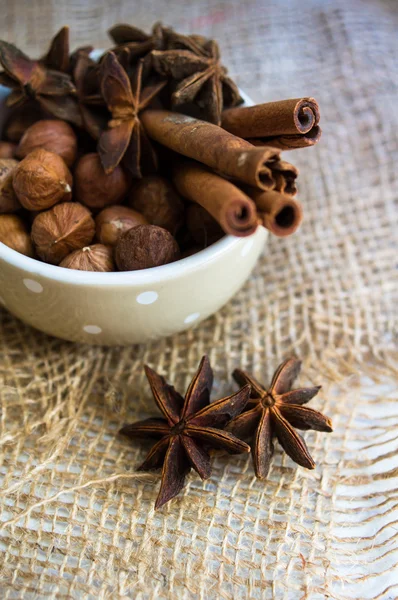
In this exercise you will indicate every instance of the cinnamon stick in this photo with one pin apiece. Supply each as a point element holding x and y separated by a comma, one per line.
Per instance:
<point>279,213</point>
<point>290,142</point>
<point>286,117</point>
<point>212,146</point>
<point>285,175</point>
<point>230,207</point>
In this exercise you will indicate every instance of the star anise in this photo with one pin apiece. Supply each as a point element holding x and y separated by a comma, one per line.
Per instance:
<point>57,56</point>
<point>76,54</point>
<point>194,63</point>
<point>86,76</point>
<point>125,137</point>
<point>137,42</point>
<point>274,412</point>
<point>134,44</point>
<point>190,427</point>
<point>31,80</point>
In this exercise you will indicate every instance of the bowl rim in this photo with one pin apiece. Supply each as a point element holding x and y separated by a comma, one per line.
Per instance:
<point>170,271</point>
<point>156,274</point>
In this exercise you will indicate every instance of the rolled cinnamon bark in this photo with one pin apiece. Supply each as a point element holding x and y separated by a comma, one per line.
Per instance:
<point>279,213</point>
<point>230,207</point>
<point>285,175</point>
<point>286,117</point>
<point>212,146</point>
<point>290,142</point>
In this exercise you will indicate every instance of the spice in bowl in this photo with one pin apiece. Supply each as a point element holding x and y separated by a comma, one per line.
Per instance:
<point>143,157</point>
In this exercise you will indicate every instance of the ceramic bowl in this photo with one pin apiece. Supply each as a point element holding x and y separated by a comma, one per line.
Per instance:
<point>127,307</point>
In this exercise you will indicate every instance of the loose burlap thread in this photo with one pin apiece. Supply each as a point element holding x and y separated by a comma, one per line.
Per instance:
<point>77,520</point>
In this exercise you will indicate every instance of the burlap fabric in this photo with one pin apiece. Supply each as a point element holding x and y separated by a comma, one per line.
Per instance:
<point>77,521</point>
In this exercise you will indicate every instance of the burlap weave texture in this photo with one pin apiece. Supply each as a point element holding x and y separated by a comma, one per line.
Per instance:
<point>76,520</point>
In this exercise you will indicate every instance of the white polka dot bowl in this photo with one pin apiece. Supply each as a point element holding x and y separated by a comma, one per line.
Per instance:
<point>128,307</point>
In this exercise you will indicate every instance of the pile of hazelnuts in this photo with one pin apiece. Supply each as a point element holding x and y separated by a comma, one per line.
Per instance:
<point>58,205</point>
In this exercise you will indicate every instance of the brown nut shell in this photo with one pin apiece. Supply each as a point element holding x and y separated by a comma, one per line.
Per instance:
<point>97,257</point>
<point>61,230</point>
<point>144,247</point>
<point>7,150</point>
<point>8,199</point>
<point>52,135</point>
<point>156,198</point>
<point>15,235</point>
<point>94,187</point>
<point>113,221</point>
<point>41,180</point>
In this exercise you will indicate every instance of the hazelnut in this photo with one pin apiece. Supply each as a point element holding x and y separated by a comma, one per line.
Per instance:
<point>15,235</point>
<point>65,227</point>
<point>90,258</point>
<point>7,150</point>
<point>94,187</point>
<point>41,180</point>
<point>144,247</point>
<point>158,201</point>
<point>8,199</point>
<point>113,221</point>
<point>52,135</point>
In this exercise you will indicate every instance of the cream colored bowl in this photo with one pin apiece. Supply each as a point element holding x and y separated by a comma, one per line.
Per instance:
<point>128,307</point>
